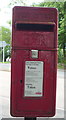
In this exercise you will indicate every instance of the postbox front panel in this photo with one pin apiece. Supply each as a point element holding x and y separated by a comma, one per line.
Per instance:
<point>34,39</point>
<point>25,101</point>
<point>34,62</point>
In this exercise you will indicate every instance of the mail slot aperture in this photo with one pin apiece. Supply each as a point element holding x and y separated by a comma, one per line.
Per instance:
<point>34,27</point>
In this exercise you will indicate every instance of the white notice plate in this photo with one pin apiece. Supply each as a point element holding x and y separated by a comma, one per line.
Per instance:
<point>33,79</point>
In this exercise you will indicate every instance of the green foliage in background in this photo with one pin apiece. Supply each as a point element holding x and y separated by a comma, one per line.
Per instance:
<point>7,52</point>
<point>5,35</point>
<point>17,2</point>
<point>0,55</point>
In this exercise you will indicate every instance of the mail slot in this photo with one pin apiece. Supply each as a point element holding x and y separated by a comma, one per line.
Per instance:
<point>34,62</point>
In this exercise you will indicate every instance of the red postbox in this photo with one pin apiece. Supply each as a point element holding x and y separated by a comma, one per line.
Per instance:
<point>34,62</point>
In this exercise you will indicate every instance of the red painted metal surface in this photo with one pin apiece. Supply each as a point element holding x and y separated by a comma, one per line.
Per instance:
<point>34,28</point>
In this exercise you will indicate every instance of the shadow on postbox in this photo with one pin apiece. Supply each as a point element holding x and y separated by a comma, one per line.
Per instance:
<point>34,62</point>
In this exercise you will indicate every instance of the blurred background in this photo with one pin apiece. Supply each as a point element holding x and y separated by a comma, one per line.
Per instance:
<point>5,49</point>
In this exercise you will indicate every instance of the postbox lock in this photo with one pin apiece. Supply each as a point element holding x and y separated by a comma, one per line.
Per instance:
<point>34,53</point>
